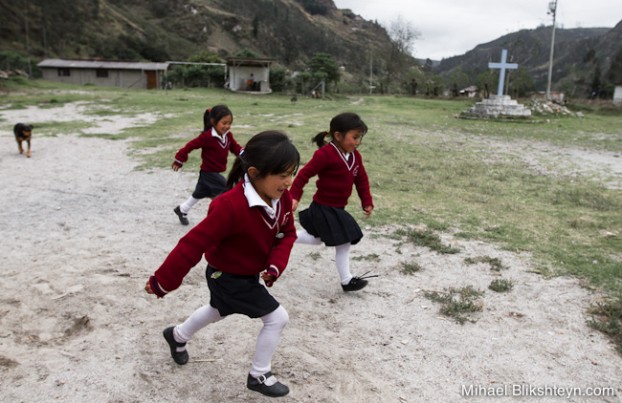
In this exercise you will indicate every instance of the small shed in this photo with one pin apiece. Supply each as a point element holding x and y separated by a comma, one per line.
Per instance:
<point>249,75</point>
<point>470,91</point>
<point>144,75</point>
<point>617,95</point>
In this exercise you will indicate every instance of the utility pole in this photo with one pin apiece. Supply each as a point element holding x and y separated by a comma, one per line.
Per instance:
<point>371,83</point>
<point>27,39</point>
<point>552,11</point>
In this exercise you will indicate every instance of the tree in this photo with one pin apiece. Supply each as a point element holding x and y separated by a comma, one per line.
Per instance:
<point>486,80</point>
<point>398,55</point>
<point>194,75</point>
<point>428,66</point>
<point>596,83</point>
<point>459,79</point>
<point>521,84</point>
<point>323,67</point>
<point>614,74</point>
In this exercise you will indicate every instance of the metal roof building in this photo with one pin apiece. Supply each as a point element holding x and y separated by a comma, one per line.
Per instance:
<point>103,73</point>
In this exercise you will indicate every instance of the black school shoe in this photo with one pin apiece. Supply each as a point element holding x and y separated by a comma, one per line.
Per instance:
<point>183,219</point>
<point>357,283</point>
<point>180,357</point>
<point>266,384</point>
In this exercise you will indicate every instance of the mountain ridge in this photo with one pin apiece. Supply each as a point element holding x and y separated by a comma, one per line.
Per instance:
<point>289,32</point>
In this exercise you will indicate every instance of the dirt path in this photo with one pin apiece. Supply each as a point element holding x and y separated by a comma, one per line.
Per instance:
<point>82,231</point>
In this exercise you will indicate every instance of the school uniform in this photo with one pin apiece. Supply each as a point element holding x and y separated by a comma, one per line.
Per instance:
<point>214,152</point>
<point>240,237</point>
<point>337,173</point>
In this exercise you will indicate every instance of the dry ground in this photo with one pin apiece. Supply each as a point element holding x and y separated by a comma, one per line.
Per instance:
<point>82,231</point>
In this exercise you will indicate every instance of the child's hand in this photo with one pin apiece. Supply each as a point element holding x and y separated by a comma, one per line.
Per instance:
<point>268,278</point>
<point>294,204</point>
<point>176,166</point>
<point>270,275</point>
<point>148,288</point>
<point>367,210</point>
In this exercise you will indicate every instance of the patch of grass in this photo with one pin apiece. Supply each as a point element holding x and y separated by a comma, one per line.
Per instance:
<point>494,262</point>
<point>314,256</point>
<point>410,268</point>
<point>607,318</point>
<point>372,257</point>
<point>589,197</point>
<point>428,239</point>
<point>501,285</point>
<point>457,303</point>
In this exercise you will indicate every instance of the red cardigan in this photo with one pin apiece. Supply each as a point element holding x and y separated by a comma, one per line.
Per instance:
<point>213,151</point>
<point>235,238</point>
<point>336,176</point>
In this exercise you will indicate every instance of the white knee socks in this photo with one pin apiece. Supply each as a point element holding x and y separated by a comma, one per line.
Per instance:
<point>188,204</point>
<point>268,339</point>
<point>306,238</point>
<point>342,254</point>
<point>342,258</point>
<point>195,322</point>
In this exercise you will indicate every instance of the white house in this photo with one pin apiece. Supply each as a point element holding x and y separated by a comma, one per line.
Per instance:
<point>617,95</point>
<point>249,75</point>
<point>112,74</point>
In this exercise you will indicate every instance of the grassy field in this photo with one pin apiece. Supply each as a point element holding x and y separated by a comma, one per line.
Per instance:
<point>425,166</point>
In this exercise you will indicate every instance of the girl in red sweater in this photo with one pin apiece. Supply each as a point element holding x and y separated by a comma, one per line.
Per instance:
<point>248,234</point>
<point>338,166</point>
<point>215,142</point>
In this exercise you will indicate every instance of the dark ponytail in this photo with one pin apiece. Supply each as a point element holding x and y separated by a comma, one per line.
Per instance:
<point>342,123</point>
<point>319,138</point>
<point>271,152</point>
<point>215,113</point>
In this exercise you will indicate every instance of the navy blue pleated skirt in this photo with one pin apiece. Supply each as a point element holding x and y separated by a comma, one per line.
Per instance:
<point>230,293</point>
<point>210,184</point>
<point>334,226</point>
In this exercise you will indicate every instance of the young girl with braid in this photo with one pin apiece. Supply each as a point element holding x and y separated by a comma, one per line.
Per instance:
<point>338,166</point>
<point>248,234</point>
<point>215,142</point>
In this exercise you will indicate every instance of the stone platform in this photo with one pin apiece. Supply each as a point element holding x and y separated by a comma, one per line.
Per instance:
<point>498,107</point>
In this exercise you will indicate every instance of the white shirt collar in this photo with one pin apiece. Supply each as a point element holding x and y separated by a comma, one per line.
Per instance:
<point>345,156</point>
<point>254,200</point>
<point>218,136</point>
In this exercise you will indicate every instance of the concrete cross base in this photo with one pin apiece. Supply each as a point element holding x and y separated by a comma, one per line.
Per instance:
<point>498,107</point>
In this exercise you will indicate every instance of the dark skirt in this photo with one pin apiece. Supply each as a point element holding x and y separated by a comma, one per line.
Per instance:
<point>334,226</point>
<point>230,293</point>
<point>210,184</point>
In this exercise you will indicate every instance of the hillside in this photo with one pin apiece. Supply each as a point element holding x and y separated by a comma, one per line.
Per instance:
<point>577,54</point>
<point>289,31</point>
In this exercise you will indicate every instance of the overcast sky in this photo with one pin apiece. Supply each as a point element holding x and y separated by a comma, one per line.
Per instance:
<point>452,27</point>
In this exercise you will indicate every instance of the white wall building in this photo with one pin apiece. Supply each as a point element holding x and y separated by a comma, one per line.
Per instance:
<point>101,73</point>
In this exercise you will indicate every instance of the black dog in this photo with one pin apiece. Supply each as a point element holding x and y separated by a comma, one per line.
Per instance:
<point>22,133</point>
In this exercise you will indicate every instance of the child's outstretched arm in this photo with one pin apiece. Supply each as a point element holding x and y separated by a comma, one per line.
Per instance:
<point>182,155</point>
<point>361,181</point>
<point>308,171</point>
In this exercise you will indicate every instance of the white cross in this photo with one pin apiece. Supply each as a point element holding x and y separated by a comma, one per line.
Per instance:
<point>502,67</point>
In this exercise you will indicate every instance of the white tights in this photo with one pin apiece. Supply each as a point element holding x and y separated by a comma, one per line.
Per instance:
<point>267,341</point>
<point>188,204</point>
<point>342,254</point>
